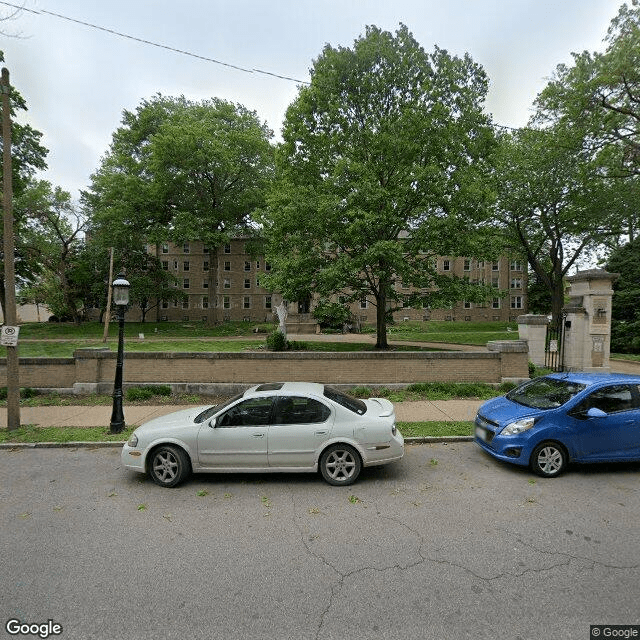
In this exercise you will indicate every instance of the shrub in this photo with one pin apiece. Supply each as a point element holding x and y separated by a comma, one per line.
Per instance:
<point>144,393</point>
<point>331,315</point>
<point>276,341</point>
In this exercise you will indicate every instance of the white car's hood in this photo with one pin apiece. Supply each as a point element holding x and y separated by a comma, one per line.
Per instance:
<point>181,418</point>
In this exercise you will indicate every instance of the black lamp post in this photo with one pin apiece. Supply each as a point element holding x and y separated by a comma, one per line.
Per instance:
<point>121,300</point>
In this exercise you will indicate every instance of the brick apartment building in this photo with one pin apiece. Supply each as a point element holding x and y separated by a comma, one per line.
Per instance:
<point>227,286</point>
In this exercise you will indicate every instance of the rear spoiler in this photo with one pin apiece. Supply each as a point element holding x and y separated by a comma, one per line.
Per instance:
<point>385,407</point>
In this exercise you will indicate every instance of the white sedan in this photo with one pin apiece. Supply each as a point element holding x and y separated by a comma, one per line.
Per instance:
<point>290,426</point>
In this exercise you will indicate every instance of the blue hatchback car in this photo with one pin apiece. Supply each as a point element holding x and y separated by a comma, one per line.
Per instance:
<point>550,421</point>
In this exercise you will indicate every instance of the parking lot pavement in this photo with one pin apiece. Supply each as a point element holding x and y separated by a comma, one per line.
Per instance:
<point>445,544</point>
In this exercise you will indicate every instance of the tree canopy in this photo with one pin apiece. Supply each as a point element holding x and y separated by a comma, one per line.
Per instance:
<point>380,170</point>
<point>181,170</point>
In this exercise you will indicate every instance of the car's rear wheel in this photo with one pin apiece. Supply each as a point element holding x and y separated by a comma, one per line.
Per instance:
<point>548,460</point>
<point>340,465</point>
<point>169,466</point>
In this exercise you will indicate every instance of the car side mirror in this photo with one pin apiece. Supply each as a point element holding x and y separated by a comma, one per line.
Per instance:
<point>594,412</point>
<point>212,423</point>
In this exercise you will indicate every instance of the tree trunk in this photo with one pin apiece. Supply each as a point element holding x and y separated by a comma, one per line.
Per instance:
<point>381,318</point>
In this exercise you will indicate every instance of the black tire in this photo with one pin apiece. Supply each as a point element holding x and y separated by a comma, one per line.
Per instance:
<point>169,466</point>
<point>548,460</point>
<point>340,465</point>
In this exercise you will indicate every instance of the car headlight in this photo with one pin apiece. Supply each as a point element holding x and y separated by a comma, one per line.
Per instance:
<point>133,440</point>
<point>514,428</point>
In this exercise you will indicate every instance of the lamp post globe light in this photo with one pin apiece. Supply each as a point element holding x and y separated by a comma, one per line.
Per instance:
<point>121,300</point>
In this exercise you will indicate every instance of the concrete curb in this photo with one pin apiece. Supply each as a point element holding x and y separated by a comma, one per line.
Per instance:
<point>106,445</point>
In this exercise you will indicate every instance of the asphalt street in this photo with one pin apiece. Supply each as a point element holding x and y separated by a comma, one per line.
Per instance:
<point>446,544</point>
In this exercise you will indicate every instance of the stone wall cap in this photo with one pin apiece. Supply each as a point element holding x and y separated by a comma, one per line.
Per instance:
<point>593,274</point>
<point>532,318</point>
<point>508,346</point>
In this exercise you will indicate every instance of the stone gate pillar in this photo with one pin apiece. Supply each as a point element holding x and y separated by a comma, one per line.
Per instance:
<point>587,337</point>
<point>533,330</point>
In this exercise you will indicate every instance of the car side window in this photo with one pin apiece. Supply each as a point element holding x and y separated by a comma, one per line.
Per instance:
<point>250,413</point>
<point>300,410</point>
<point>609,399</point>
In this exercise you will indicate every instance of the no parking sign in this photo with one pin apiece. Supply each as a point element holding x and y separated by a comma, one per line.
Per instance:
<point>9,336</point>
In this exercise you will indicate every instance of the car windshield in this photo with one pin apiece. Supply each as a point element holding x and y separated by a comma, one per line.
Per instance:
<point>207,413</point>
<point>353,404</point>
<point>545,393</point>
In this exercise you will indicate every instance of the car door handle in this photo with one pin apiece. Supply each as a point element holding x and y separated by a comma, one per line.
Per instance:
<point>320,433</point>
<point>257,435</point>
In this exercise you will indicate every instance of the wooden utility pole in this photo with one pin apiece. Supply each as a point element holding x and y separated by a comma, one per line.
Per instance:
<point>10,315</point>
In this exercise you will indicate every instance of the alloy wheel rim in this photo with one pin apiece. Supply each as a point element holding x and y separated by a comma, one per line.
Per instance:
<point>165,466</point>
<point>340,465</point>
<point>550,460</point>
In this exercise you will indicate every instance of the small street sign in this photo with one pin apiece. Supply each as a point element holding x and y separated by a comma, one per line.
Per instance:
<point>9,336</point>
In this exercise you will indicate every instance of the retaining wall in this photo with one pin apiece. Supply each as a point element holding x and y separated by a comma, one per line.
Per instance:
<point>93,370</point>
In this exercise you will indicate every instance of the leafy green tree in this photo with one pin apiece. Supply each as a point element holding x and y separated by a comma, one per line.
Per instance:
<point>600,94</point>
<point>551,203</point>
<point>182,171</point>
<point>53,238</point>
<point>381,169</point>
<point>625,326</point>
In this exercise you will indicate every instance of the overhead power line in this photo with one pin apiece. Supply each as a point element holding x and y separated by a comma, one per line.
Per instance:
<point>152,44</point>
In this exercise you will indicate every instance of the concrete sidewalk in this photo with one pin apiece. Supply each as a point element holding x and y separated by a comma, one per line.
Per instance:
<point>100,416</point>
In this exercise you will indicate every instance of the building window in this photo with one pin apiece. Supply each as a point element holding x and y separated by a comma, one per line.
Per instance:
<point>446,265</point>
<point>495,266</point>
<point>205,284</point>
<point>467,264</point>
<point>467,304</point>
<point>267,302</point>
<point>165,304</point>
<point>165,248</point>
<point>246,302</point>
<point>257,264</point>
<point>227,265</point>
<point>227,248</point>
<point>227,283</point>
<point>267,266</point>
<point>165,265</point>
<point>185,283</point>
<point>516,302</point>
<point>185,248</point>
<point>516,265</point>
<point>185,304</point>
<point>495,303</point>
<point>247,265</point>
<point>205,302</point>
<point>185,265</point>
<point>364,304</point>
<point>175,265</point>
<point>205,265</point>
<point>226,302</point>
<point>247,283</point>
<point>516,283</point>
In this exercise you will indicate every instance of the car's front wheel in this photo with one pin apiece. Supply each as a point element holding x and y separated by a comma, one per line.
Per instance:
<point>548,460</point>
<point>169,466</point>
<point>340,465</point>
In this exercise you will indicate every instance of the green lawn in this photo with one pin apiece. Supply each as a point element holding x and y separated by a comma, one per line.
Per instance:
<point>52,340</point>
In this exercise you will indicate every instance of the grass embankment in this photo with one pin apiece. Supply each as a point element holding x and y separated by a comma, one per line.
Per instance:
<point>50,340</point>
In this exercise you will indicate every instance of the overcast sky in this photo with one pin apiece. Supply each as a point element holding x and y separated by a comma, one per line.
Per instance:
<point>77,80</point>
